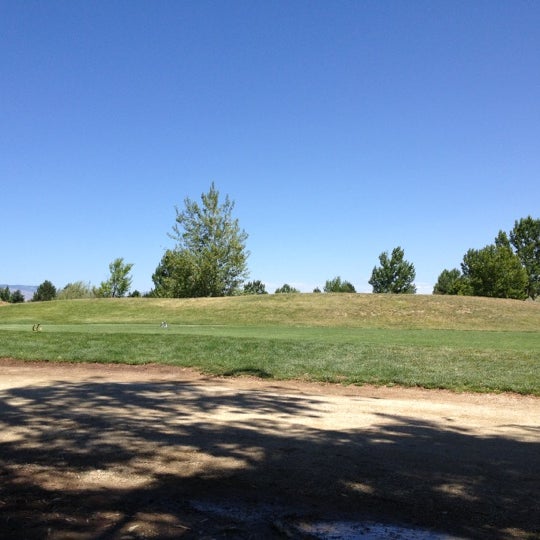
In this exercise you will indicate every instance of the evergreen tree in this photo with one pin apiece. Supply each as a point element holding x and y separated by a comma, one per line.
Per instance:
<point>45,292</point>
<point>5,294</point>
<point>17,297</point>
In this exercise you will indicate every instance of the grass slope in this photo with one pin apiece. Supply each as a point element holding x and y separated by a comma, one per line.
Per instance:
<point>326,310</point>
<point>459,343</point>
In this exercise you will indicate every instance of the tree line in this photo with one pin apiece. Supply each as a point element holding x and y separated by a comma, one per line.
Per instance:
<point>116,286</point>
<point>209,258</point>
<point>508,268</point>
<point>14,297</point>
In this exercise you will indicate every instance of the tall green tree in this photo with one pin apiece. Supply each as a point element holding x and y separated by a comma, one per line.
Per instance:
<point>210,256</point>
<point>119,281</point>
<point>338,286</point>
<point>494,271</point>
<point>525,238</point>
<point>14,297</point>
<point>394,275</point>
<point>45,292</point>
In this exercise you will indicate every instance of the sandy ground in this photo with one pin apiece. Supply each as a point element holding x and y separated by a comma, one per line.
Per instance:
<point>93,451</point>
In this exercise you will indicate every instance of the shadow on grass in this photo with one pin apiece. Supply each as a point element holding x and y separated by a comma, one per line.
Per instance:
<point>128,460</point>
<point>253,371</point>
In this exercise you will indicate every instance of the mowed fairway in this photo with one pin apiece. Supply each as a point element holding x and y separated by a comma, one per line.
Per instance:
<point>456,343</point>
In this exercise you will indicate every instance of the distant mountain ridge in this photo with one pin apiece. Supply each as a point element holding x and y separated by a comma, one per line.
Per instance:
<point>27,290</point>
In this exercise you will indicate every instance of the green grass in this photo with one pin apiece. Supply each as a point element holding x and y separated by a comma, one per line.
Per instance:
<point>434,342</point>
<point>308,310</point>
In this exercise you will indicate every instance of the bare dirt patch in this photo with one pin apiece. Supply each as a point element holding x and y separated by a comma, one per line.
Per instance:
<point>110,451</point>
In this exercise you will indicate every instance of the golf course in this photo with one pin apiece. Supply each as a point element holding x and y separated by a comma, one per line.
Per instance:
<point>447,342</point>
<point>273,416</point>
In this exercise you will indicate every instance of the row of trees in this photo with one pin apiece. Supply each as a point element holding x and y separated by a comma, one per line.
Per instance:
<point>332,285</point>
<point>116,286</point>
<point>508,268</point>
<point>209,258</point>
<point>14,297</point>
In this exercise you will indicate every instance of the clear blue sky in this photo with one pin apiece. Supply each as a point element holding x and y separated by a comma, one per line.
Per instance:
<point>341,129</point>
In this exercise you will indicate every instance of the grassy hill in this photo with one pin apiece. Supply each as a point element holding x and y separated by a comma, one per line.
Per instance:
<point>459,343</point>
<point>309,310</point>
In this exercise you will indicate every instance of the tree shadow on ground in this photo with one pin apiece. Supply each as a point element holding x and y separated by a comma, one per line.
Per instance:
<point>128,460</point>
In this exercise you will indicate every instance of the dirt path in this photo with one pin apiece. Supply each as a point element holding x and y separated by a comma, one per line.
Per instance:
<point>92,451</point>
